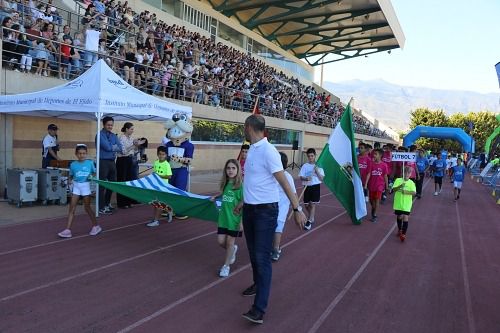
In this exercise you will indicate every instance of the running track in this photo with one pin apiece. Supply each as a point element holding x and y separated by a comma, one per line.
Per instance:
<point>334,278</point>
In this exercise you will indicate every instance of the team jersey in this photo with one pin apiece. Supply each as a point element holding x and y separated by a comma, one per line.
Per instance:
<point>364,162</point>
<point>402,201</point>
<point>162,169</point>
<point>422,164</point>
<point>459,173</point>
<point>307,170</point>
<point>81,171</point>
<point>378,172</point>
<point>387,159</point>
<point>439,167</point>
<point>230,199</point>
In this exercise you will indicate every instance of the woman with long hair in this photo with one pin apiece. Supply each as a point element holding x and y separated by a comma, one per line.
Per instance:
<point>126,161</point>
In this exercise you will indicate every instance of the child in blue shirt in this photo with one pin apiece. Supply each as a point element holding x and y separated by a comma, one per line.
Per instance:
<point>458,178</point>
<point>80,172</point>
<point>422,165</point>
<point>438,167</point>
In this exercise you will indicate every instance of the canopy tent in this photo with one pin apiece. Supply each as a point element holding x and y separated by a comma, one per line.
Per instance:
<point>97,92</point>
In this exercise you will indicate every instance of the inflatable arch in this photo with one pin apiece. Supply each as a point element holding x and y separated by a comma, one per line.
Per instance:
<point>453,133</point>
<point>493,140</point>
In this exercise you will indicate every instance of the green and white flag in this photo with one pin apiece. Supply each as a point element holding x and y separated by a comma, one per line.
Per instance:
<point>338,160</point>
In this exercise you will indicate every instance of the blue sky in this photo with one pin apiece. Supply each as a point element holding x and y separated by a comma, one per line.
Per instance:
<point>449,45</point>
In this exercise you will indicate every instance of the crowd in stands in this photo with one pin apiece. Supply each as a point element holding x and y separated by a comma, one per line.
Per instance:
<point>158,58</point>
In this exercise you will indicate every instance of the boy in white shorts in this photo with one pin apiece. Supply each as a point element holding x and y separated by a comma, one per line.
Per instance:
<point>458,178</point>
<point>80,172</point>
<point>283,207</point>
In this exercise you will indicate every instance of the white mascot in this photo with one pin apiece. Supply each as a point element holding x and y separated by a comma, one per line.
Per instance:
<point>179,150</point>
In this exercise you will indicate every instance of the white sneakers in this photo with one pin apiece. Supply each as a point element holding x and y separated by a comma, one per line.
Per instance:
<point>224,271</point>
<point>95,230</point>
<point>436,193</point>
<point>66,233</point>
<point>154,223</point>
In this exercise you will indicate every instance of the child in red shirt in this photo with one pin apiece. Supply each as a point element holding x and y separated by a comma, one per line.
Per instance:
<point>364,163</point>
<point>376,181</point>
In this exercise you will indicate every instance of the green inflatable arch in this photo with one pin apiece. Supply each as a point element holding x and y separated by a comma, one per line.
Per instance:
<point>496,132</point>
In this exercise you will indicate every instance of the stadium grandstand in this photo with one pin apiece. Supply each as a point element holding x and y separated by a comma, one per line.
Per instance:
<point>220,57</point>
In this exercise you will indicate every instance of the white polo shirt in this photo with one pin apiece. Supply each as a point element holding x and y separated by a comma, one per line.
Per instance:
<point>260,186</point>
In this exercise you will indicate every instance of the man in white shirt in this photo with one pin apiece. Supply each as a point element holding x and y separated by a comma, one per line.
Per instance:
<point>311,176</point>
<point>263,175</point>
<point>50,146</point>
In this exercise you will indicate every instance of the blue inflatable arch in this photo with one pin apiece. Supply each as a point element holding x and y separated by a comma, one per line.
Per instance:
<point>453,133</point>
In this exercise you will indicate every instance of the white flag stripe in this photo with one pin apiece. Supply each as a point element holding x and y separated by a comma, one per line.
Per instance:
<point>341,150</point>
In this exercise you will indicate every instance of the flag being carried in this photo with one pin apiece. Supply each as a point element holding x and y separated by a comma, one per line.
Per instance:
<point>338,160</point>
<point>155,191</point>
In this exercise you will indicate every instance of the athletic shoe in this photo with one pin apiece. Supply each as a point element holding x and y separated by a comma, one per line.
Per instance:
<point>275,255</point>
<point>154,223</point>
<point>436,193</point>
<point>250,291</point>
<point>402,237</point>
<point>374,218</point>
<point>254,316</point>
<point>419,196</point>
<point>95,230</point>
<point>105,211</point>
<point>66,233</point>
<point>233,256</point>
<point>181,217</point>
<point>399,233</point>
<point>111,208</point>
<point>308,225</point>
<point>224,271</point>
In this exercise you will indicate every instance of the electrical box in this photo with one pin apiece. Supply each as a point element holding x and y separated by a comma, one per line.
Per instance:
<point>22,186</point>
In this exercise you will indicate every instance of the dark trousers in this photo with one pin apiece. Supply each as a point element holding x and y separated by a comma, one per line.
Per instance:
<point>179,178</point>
<point>125,171</point>
<point>107,171</point>
<point>419,183</point>
<point>260,223</point>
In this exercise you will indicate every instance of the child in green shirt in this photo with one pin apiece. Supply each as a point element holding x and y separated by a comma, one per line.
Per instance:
<point>162,168</point>
<point>228,225</point>
<point>404,190</point>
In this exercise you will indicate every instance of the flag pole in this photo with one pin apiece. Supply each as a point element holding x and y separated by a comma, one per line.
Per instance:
<point>300,198</point>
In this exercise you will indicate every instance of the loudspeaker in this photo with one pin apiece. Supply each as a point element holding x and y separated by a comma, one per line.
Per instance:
<point>295,145</point>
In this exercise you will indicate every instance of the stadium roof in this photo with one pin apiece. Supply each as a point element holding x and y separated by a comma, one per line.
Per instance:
<point>320,31</point>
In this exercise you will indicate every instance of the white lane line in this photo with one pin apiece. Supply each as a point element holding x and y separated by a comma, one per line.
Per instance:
<point>353,279</point>
<point>67,240</point>
<point>94,270</point>
<point>468,299</point>
<point>216,282</point>
<point>105,231</point>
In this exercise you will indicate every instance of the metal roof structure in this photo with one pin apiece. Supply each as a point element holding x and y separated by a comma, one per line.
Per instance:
<point>320,31</point>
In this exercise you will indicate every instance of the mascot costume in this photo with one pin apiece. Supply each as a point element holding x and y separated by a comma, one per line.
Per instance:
<point>179,150</point>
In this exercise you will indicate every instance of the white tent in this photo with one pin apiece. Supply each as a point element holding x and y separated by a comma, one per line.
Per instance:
<point>97,92</point>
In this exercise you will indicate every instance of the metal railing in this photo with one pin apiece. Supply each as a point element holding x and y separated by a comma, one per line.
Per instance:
<point>22,52</point>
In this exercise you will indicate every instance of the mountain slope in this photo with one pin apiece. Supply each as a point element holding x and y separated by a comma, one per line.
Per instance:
<point>391,104</point>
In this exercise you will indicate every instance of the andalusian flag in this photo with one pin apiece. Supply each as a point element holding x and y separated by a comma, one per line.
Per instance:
<point>338,160</point>
<point>155,191</point>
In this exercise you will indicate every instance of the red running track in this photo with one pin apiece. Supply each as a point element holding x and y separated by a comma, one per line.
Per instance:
<point>335,278</point>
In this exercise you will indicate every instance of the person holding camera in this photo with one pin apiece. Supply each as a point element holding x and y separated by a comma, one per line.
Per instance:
<point>126,161</point>
<point>50,146</point>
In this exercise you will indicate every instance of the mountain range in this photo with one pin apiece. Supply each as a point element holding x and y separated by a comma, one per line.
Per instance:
<point>391,104</point>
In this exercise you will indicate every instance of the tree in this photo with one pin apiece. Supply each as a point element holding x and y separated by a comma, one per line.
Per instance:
<point>483,122</point>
